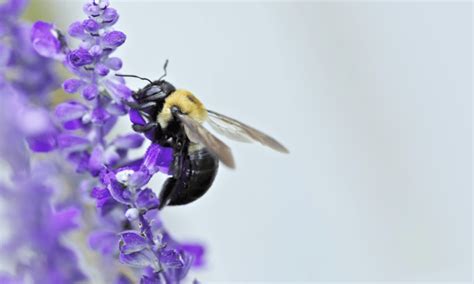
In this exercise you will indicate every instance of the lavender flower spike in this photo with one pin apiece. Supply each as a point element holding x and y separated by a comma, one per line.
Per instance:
<point>91,63</point>
<point>125,204</point>
<point>37,225</point>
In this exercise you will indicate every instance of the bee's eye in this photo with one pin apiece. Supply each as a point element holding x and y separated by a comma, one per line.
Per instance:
<point>175,110</point>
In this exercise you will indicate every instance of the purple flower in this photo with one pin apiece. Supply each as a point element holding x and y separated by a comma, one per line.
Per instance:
<point>90,25</point>
<point>90,92</point>
<point>77,30</point>
<point>13,8</point>
<point>80,57</point>
<point>114,39</point>
<point>126,205</point>
<point>197,251</point>
<point>129,141</point>
<point>36,222</point>
<point>44,39</point>
<point>72,85</point>
<point>41,228</point>
<point>132,242</point>
<point>42,143</point>
<point>70,110</point>
<point>147,200</point>
<point>158,158</point>
<point>114,63</point>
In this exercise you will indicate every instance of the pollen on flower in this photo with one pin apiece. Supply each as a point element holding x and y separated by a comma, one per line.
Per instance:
<point>132,214</point>
<point>124,176</point>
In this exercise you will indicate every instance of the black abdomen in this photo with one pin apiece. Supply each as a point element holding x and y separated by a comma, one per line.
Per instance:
<point>193,175</point>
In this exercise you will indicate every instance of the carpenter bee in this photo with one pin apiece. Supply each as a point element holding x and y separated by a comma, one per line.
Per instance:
<point>174,118</point>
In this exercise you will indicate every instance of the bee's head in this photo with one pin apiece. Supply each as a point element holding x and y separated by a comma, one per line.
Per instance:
<point>165,86</point>
<point>154,87</point>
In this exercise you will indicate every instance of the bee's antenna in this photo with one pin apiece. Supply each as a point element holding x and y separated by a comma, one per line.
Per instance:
<point>134,76</point>
<point>164,68</point>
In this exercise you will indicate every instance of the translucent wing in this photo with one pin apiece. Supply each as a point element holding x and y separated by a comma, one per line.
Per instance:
<point>239,131</point>
<point>198,134</point>
<point>227,128</point>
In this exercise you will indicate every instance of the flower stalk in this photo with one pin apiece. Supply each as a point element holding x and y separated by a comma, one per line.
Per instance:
<point>118,185</point>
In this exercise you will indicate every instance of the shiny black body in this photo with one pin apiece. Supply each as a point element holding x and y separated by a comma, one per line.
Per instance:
<point>194,167</point>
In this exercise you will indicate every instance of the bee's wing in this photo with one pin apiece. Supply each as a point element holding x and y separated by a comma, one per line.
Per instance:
<point>198,134</point>
<point>239,131</point>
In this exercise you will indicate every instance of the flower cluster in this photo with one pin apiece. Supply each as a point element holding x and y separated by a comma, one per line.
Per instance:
<point>87,122</point>
<point>37,225</point>
<point>21,69</point>
<point>134,230</point>
<point>149,246</point>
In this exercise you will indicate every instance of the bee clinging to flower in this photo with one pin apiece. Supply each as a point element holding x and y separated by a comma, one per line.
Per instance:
<point>175,119</point>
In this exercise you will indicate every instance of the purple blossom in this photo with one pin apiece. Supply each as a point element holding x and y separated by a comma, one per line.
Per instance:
<point>80,57</point>
<point>114,39</point>
<point>124,202</point>
<point>44,39</point>
<point>37,224</point>
<point>149,247</point>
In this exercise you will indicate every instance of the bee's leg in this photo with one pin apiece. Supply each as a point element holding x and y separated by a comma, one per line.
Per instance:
<point>146,115</point>
<point>144,128</point>
<point>154,97</point>
<point>173,189</point>
<point>137,106</point>
<point>166,190</point>
<point>182,149</point>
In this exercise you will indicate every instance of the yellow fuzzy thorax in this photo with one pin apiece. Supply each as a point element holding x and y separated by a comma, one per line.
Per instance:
<point>187,103</point>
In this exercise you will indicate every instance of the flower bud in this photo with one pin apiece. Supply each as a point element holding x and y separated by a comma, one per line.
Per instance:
<point>44,39</point>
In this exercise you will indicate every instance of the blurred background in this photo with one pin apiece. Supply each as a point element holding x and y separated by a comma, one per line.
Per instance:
<point>372,99</point>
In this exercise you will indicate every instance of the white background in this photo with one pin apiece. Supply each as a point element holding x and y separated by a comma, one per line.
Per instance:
<point>372,99</point>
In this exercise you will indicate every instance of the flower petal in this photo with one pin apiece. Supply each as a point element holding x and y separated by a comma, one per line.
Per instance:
<point>99,116</point>
<point>90,92</point>
<point>42,143</point>
<point>135,117</point>
<point>76,30</point>
<point>111,157</point>
<point>72,85</point>
<point>114,39</point>
<point>119,193</point>
<point>110,16</point>
<point>79,57</point>
<point>130,141</point>
<point>72,142</point>
<point>132,242</point>
<point>147,199</point>
<point>158,158</point>
<point>90,25</point>
<point>114,63</point>
<point>45,40</point>
<point>101,69</point>
<point>96,161</point>
<point>70,110</point>
<point>118,91</point>
<point>116,109</point>
<point>197,251</point>
<point>138,179</point>
<point>171,258</point>
<point>73,124</point>
<point>139,259</point>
